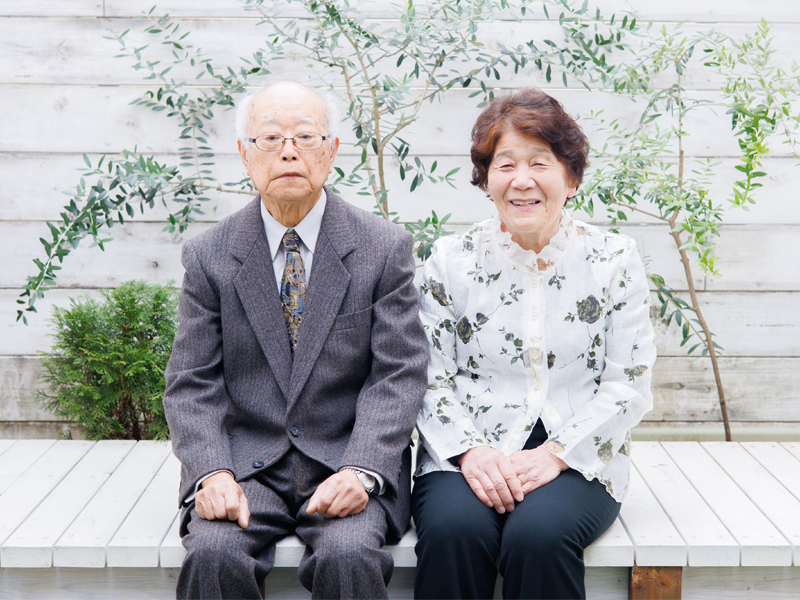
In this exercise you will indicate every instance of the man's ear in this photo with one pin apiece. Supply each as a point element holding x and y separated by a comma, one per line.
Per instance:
<point>334,150</point>
<point>242,152</point>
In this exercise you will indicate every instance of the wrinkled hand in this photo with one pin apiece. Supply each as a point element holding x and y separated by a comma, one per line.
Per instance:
<point>339,495</point>
<point>534,468</point>
<point>222,498</point>
<point>491,476</point>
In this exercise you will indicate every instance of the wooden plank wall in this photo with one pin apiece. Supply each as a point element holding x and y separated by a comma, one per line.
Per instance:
<point>62,93</point>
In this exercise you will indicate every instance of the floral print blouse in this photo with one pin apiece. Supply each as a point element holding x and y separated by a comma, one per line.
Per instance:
<point>564,335</point>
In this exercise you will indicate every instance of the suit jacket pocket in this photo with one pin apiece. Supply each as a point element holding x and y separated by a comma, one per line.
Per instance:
<point>350,320</point>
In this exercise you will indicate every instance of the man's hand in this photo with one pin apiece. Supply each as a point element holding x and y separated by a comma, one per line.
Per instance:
<point>536,467</point>
<point>339,495</point>
<point>492,477</point>
<point>222,498</point>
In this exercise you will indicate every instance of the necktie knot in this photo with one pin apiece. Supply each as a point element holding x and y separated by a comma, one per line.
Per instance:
<point>291,240</point>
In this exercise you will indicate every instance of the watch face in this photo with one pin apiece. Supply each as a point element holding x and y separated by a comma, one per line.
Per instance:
<point>367,480</point>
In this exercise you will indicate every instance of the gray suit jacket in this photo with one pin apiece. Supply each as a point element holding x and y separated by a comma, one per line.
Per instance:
<point>235,399</point>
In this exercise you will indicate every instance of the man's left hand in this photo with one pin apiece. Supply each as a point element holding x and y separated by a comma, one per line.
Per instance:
<point>536,468</point>
<point>339,495</point>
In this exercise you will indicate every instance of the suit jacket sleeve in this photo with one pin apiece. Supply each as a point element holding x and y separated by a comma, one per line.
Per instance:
<point>392,394</point>
<point>195,400</point>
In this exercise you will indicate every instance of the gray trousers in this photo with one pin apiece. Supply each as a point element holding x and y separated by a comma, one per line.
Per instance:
<point>343,557</point>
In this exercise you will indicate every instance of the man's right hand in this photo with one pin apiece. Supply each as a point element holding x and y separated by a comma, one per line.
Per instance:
<point>492,477</point>
<point>222,498</point>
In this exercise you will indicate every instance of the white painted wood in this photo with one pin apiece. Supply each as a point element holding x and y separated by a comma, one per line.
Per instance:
<point>75,51</point>
<point>793,448</point>
<point>612,549</point>
<point>171,552</point>
<point>50,8</point>
<point>403,552</point>
<point>56,173</point>
<point>31,545</point>
<point>33,486</point>
<point>18,458</point>
<point>59,583</point>
<point>742,583</point>
<point>84,542</point>
<point>5,445</point>
<point>709,542</point>
<point>683,388</point>
<point>137,542</point>
<point>655,539</point>
<point>104,121</point>
<point>774,500</point>
<point>780,463</point>
<point>709,10</point>
<point>748,324</point>
<point>760,543</point>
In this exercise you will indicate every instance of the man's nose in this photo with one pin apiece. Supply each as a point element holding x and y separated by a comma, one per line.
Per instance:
<point>289,151</point>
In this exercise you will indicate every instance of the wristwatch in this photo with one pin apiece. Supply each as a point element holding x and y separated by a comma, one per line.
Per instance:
<point>365,479</point>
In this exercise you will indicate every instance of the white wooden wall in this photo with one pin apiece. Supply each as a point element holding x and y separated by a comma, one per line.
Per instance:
<point>62,93</point>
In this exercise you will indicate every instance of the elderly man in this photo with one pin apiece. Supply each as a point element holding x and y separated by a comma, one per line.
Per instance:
<point>297,371</point>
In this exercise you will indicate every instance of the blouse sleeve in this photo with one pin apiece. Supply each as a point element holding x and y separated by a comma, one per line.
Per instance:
<point>442,422</point>
<point>599,430</point>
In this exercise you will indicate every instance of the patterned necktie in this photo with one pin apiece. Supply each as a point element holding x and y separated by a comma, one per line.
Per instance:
<point>293,286</point>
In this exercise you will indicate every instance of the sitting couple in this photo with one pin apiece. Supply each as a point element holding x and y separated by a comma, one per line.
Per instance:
<point>524,359</point>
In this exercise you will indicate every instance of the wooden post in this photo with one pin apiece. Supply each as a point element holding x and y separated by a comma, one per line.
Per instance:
<point>655,583</point>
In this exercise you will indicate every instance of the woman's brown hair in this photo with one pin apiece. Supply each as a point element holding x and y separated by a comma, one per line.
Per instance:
<point>530,112</point>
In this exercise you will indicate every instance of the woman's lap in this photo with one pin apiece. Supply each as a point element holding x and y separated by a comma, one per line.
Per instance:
<point>552,525</point>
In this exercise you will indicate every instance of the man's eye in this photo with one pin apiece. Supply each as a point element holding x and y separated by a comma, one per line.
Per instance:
<point>304,137</point>
<point>271,138</point>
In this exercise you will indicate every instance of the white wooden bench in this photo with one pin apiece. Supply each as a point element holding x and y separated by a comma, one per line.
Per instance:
<point>99,520</point>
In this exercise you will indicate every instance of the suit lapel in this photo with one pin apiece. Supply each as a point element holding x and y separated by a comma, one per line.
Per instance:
<point>327,287</point>
<point>258,293</point>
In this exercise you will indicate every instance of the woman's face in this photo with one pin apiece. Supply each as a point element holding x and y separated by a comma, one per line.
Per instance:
<point>529,187</point>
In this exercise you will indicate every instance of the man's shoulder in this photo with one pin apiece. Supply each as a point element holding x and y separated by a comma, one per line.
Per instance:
<point>368,226</point>
<point>226,230</point>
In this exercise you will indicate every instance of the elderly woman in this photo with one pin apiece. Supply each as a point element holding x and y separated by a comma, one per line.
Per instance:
<point>541,352</point>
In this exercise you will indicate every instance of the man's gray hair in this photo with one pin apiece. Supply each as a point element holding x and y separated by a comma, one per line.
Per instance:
<point>244,106</point>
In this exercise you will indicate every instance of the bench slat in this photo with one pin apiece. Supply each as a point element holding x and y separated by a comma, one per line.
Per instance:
<point>709,542</point>
<point>84,543</point>
<point>760,543</point>
<point>774,500</point>
<point>33,486</point>
<point>780,463</point>
<point>32,544</point>
<point>137,542</point>
<point>172,551</point>
<point>656,541</point>
<point>5,445</point>
<point>18,458</point>
<point>612,549</point>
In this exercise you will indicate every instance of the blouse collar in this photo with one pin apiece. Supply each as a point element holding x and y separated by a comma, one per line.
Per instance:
<point>550,255</point>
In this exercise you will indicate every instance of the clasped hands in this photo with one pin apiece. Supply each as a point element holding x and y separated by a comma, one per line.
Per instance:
<point>499,480</point>
<point>221,497</point>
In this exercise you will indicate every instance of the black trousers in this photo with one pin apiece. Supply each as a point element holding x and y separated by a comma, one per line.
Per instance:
<point>537,548</point>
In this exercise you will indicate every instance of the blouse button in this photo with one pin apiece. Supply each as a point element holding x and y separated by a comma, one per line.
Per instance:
<point>535,282</point>
<point>534,315</point>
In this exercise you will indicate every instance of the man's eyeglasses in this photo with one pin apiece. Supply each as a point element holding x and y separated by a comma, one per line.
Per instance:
<point>272,142</point>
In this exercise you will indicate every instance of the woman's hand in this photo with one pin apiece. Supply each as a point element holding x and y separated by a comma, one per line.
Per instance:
<point>492,477</point>
<point>534,468</point>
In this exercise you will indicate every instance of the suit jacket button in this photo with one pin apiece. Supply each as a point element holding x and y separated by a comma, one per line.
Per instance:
<point>257,464</point>
<point>295,431</point>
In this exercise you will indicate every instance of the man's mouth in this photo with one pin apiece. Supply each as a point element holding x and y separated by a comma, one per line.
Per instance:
<point>291,175</point>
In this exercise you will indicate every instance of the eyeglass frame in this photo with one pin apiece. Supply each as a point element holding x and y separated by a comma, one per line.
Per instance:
<point>285,139</point>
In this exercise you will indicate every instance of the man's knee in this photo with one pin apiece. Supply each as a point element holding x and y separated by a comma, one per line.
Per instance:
<point>210,545</point>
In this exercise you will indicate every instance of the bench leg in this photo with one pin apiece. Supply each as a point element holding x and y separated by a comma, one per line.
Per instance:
<point>655,583</point>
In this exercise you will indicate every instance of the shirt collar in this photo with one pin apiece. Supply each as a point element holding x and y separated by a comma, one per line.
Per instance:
<point>550,255</point>
<point>307,229</point>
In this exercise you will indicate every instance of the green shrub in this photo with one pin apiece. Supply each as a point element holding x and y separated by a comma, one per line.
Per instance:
<point>106,368</point>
